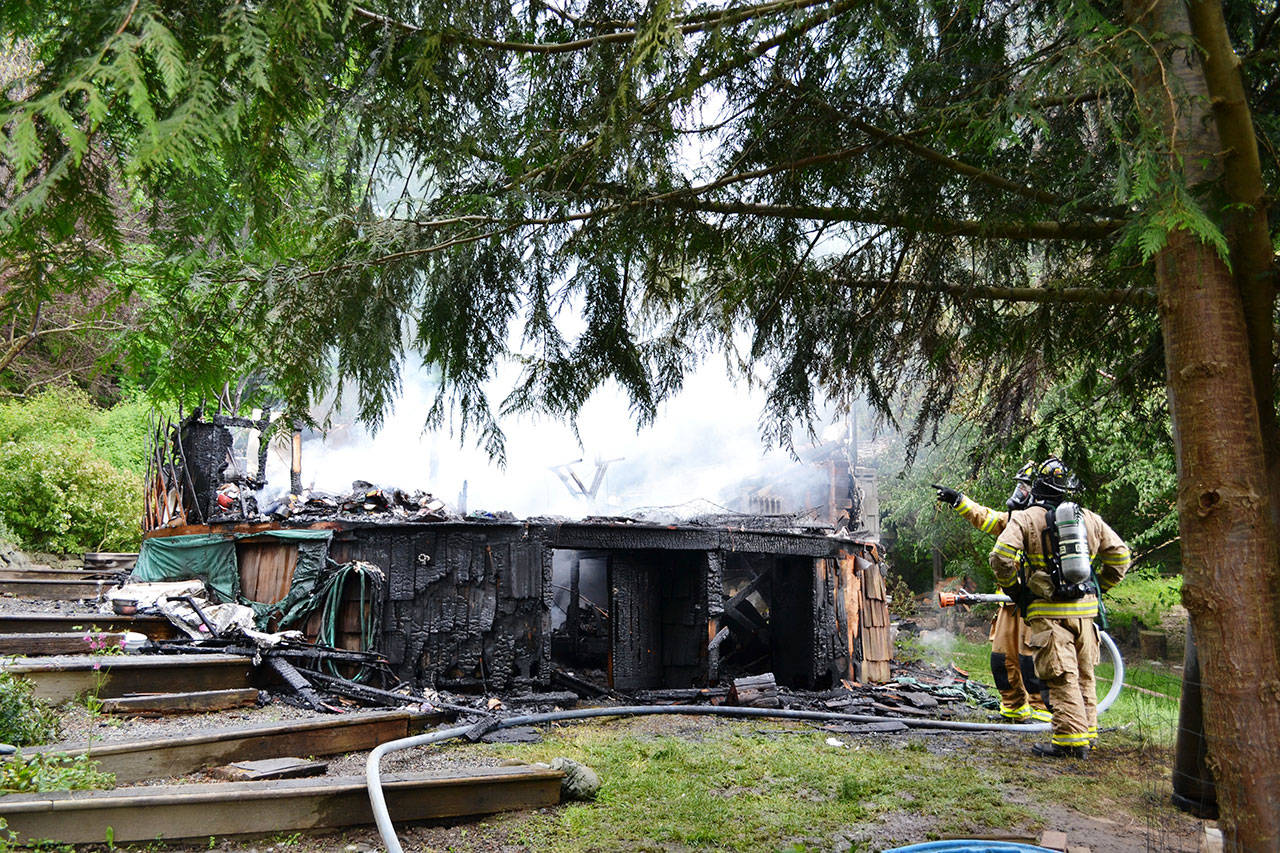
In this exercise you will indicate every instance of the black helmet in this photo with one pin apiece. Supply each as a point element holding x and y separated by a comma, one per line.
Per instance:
<point>1021,497</point>
<point>1052,481</point>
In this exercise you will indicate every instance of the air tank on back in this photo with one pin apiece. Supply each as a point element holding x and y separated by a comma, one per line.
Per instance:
<point>1073,542</point>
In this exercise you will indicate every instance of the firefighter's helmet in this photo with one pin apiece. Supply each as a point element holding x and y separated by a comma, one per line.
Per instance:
<point>1053,480</point>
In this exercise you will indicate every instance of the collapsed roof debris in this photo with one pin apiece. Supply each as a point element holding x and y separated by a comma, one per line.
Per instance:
<point>365,502</point>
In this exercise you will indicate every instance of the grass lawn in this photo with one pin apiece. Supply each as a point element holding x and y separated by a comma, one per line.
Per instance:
<point>729,785</point>
<point>685,784</point>
<point>732,785</point>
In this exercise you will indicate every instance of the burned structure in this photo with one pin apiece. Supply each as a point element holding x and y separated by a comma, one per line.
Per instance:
<point>498,602</point>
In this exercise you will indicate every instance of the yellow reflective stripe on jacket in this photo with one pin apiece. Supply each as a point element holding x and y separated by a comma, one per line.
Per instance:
<point>1007,551</point>
<point>1114,558</point>
<point>971,510</point>
<point>1085,608</point>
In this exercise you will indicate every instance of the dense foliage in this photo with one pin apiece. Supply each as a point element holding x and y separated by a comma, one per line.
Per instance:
<point>71,473</point>
<point>969,201</point>
<point>883,195</point>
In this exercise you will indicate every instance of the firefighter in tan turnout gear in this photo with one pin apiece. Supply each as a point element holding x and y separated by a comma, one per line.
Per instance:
<point>1062,555</point>
<point>1020,691</point>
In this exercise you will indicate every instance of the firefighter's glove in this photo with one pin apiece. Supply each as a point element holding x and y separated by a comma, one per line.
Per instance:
<point>950,497</point>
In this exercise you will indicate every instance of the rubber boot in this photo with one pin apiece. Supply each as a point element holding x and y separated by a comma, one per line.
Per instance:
<point>1052,750</point>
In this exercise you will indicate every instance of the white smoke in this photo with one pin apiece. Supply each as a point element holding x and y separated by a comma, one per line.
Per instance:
<point>938,640</point>
<point>704,443</point>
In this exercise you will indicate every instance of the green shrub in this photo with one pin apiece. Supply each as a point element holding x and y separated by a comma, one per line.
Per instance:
<point>68,415</point>
<point>52,772</point>
<point>24,721</point>
<point>120,435</point>
<point>70,472</point>
<point>61,498</point>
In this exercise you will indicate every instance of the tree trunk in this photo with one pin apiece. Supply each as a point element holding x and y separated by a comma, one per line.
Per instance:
<point>1228,552</point>
<point>1224,497</point>
<point>1252,257</point>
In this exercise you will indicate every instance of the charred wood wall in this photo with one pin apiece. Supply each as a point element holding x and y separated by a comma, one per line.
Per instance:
<point>797,611</point>
<point>203,449</point>
<point>466,604</point>
<point>470,604</point>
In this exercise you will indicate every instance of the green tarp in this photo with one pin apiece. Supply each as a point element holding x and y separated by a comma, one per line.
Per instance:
<point>212,559</point>
<point>207,557</point>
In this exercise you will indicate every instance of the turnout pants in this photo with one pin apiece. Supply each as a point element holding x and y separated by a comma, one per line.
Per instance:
<point>1065,652</point>
<point>1017,699</point>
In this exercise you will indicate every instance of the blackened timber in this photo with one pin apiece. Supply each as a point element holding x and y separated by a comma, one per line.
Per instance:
<point>755,691</point>
<point>656,537</point>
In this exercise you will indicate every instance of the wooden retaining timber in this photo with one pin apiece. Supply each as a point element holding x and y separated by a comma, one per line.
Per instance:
<point>110,560</point>
<point>63,590</point>
<point>59,679</point>
<point>161,758</point>
<point>197,702</point>
<point>69,643</point>
<point>44,573</point>
<point>155,627</point>
<point>238,808</point>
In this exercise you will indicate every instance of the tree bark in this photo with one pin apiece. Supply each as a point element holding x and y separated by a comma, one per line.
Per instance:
<point>1228,552</point>
<point>1224,506</point>
<point>1252,258</point>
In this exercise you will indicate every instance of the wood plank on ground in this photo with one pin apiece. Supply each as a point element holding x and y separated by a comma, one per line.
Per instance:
<point>155,627</point>
<point>235,808</point>
<point>195,702</point>
<point>61,678</point>
<point>57,590</point>
<point>111,560</point>
<point>161,758</point>
<point>269,768</point>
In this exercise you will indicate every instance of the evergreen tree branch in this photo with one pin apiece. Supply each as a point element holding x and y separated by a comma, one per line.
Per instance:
<point>1142,297</point>
<point>16,347</point>
<point>933,155</point>
<point>687,26</point>
<point>986,228</point>
<point>655,102</point>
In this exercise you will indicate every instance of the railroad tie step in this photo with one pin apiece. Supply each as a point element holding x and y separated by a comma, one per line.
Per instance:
<point>173,812</point>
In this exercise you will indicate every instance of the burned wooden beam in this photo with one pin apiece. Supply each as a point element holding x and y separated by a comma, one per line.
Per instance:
<point>756,691</point>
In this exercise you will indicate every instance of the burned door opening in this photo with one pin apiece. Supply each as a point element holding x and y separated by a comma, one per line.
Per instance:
<point>580,609</point>
<point>767,619</point>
